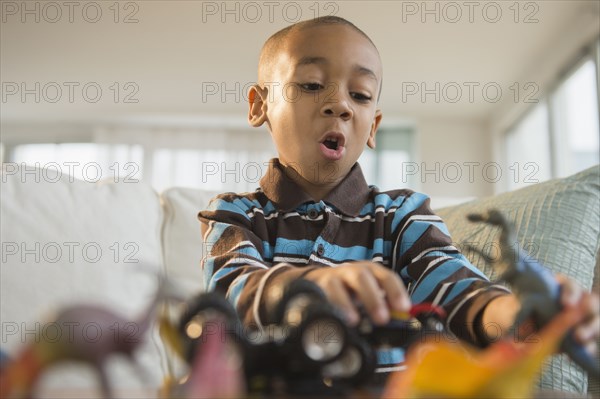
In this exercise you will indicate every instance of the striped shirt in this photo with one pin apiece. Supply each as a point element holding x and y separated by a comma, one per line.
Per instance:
<point>278,233</point>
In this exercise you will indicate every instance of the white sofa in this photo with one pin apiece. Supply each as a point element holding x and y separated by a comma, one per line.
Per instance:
<point>66,241</point>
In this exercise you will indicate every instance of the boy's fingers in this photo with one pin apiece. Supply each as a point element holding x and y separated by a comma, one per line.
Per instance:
<point>592,348</point>
<point>397,296</point>
<point>570,291</point>
<point>339,296</point>
<point>589,330</point>
<point>587,335</point>
<point>592,303</point>
<point>371,296</point>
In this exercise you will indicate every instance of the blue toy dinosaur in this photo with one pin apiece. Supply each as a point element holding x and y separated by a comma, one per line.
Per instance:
<point>534,285</point>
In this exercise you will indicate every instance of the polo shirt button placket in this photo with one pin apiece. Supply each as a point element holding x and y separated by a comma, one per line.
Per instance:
<point>320,250</point>
<point>313,213</point>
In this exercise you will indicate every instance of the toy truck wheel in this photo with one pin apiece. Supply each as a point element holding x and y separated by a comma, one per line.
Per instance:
<point>355,366</point>
<point>203,309</point>
<point>322,332</point>
<point>279,300</point>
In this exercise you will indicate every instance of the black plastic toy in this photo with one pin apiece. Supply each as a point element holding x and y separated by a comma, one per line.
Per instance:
<point>306,348</point>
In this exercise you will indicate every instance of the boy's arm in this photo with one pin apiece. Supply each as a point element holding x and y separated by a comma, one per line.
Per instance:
<point>234,261</point>
<point>436,271</point>
<point>478,311</point>
<point>501,312</point>
<point>497,317</point>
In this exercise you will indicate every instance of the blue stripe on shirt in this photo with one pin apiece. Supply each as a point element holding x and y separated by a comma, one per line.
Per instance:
<point>235,289</point>
<point>430,282</point>
<point>208,266</point>
<point>409,205</point>
<point>293,247</point>
<point>459,287</point>
<point>250,252</point>
<point>219,274</point>
<point>215,233</point>
<point>222,205</point>
<point>410,236</point>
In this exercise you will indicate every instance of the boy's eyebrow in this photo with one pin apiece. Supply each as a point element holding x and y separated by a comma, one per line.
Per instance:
<point>322,60</point>
<point>311,60</point>
<point>366,71</point>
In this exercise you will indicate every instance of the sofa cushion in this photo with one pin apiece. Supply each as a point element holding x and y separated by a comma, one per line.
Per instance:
<point>183,248</point>
<point>558,223</point>
<point>182,240</point>
<point>67,242</point>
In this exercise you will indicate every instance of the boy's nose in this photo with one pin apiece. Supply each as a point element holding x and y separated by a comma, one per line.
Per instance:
<point>338,108</point>
<point>336,104</point>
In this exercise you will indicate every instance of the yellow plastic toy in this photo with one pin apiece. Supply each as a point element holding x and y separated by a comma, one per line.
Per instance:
<point>506,369</point>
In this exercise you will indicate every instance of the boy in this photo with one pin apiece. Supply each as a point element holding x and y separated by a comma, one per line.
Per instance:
<point>314,215</point>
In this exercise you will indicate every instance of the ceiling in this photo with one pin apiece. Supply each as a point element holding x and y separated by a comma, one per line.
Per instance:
<point>177,50</point>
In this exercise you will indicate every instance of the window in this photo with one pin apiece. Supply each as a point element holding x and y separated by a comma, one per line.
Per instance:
<point>560,135</point>
<point>211,160</point>
<point>214,170</point>
<point>576,121</point>
<point>90,162</point>
<point>384,166</point>
<point>216,161</point>
<point>528,149</point>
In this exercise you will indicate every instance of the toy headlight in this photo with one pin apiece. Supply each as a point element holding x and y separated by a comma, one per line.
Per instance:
<point>323,339</point>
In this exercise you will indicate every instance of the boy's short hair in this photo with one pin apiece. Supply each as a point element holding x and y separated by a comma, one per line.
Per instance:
<point>273,44</point>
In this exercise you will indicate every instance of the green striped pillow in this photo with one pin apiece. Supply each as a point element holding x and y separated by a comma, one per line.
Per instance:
<point>558,223</point>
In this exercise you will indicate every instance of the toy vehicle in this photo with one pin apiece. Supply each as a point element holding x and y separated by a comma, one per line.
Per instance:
<point>306,348</point>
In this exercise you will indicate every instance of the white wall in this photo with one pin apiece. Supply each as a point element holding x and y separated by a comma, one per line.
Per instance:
<point>453,156</point>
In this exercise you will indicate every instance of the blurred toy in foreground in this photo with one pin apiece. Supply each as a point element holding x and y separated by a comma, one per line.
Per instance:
<point>305,347</point>
<point>506,368</point>
<point>74,340</point>
<point>217,367</point>
<point>535,287</point>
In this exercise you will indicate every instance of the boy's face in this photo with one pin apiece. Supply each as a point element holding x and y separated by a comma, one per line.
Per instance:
<point>319,100</point>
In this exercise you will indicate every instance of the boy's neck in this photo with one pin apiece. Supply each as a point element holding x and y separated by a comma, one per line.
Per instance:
<point>316,191</point>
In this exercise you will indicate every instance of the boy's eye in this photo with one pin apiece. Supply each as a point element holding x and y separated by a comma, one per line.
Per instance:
<point>360,97</point>
<point>311,86</point>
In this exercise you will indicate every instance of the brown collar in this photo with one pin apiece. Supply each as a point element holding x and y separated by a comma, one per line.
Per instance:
<point>348,197</point>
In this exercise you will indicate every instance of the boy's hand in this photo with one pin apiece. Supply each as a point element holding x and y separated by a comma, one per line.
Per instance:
<point>378,288</point>
<point>588,331</point>
<point>502,311</point>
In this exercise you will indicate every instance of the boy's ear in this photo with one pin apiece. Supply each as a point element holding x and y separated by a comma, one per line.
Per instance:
<point>374,126</point>
<point>257,112</point>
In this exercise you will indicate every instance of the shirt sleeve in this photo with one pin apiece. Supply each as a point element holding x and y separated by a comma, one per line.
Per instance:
<point>437,272</point>
<point>233,261</point>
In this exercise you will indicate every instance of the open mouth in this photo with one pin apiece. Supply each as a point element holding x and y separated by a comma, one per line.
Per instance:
<point>332,145</point>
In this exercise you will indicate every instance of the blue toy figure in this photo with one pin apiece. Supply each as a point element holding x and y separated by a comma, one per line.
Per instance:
<point>534,285</point>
